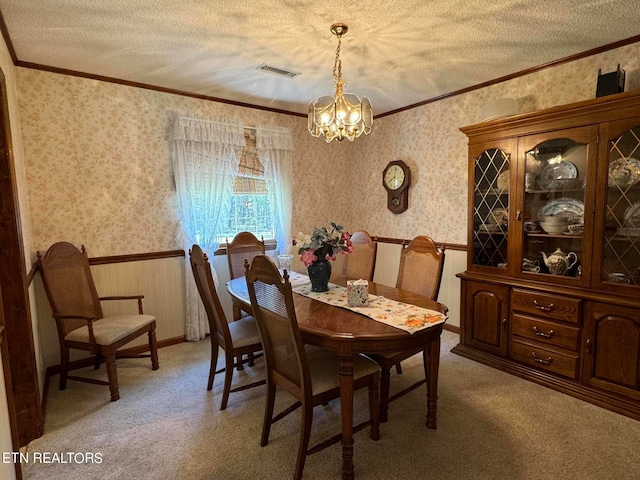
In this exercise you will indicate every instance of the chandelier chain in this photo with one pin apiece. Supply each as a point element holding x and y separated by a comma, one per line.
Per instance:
<point>338,63</point>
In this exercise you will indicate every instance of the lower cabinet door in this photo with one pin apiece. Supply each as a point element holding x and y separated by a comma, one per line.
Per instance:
<point>611,348</point>
<point>486,313</point>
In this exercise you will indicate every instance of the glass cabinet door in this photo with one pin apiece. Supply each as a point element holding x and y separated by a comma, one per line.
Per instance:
<point>491,178</point>
<point>621,240</point>
<point>555,181</point>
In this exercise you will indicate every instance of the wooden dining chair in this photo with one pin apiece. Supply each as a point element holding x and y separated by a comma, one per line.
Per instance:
<point>310,374</point>
<point>235,338</point>
<point>421,264</point>
<point>361,262</point>
<point>81,324</point>
<point>244,246</point>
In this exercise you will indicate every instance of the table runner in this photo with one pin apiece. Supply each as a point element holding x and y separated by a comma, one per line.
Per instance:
<point>297,279</point>
<point>404,316</point>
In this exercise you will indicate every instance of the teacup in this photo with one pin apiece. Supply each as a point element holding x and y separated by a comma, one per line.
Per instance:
<point>618,277</point>
<point>530,265</point>
<point>576,228</point>
<point>531,227</point>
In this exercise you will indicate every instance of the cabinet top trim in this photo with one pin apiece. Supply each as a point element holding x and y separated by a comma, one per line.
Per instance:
<point>598,110</point>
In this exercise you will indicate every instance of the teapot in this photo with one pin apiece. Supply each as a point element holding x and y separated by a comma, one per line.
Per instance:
<point>559,262</point>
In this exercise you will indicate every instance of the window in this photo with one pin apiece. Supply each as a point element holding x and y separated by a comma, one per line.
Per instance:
<point>251,208</point>
<point>204,154</point>
<point>252,213</point>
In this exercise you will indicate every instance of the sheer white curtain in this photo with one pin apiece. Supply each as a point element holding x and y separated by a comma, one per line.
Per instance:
<point>275,151</point>
<point>205,153</point>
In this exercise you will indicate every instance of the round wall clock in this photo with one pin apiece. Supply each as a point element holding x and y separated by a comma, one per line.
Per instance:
<point>396,179</point>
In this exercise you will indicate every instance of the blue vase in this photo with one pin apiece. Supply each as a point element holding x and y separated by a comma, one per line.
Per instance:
<point>319,274</point>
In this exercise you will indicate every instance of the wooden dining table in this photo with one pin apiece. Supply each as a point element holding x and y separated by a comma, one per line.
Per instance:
<point>350,333</point>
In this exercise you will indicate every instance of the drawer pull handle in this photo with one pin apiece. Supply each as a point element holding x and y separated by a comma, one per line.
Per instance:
<point>548,361</point>
<point>544,308</point>
<point>548,334</point>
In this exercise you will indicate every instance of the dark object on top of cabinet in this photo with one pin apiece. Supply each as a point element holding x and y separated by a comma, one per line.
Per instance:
<point>610,83</point>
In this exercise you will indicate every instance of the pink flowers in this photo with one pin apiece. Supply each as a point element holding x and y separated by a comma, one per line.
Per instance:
<point>323,244</point>
<point>308,257</point>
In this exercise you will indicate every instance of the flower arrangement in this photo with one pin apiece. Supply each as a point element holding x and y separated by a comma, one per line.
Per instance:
<point>323,244</point>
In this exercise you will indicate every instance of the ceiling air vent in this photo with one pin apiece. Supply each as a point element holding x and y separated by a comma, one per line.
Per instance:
<point>277,71</point>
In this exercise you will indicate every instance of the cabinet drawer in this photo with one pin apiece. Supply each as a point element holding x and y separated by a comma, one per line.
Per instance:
<point>546,359</point>
<point>548,333</point>
<point>546,305</point>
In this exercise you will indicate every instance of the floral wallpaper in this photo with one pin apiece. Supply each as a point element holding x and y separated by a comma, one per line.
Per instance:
<point>98,168</point>
<point>428,139</point>
<point>98,165</point>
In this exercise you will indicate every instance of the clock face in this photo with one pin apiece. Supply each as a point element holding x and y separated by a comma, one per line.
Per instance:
<point>394,178</point>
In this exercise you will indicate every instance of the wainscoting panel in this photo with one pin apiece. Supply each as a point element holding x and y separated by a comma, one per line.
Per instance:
<point>455,261</point>
<point>160,281</point>
<point>46,341</point>
<point>387,263</point>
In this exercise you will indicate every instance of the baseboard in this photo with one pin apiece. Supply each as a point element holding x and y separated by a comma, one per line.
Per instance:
<point>451,328</point>
<point>145,348</point>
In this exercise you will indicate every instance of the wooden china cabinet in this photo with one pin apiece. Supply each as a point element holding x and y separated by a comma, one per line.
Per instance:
<point>551,292</point>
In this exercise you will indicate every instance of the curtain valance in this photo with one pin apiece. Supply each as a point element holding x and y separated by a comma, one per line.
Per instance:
<point>207,129</point>
<point>273,138</point>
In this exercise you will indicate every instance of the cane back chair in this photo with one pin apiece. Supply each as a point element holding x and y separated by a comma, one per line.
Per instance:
<point>235,338</point>
<point>79,318</point>
<point>310,374</point>
<point>244,246</point>
<point>361,262</point>
<point>421,264</point>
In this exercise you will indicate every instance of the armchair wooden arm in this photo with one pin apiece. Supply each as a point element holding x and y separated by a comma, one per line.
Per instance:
<point>126,297</point>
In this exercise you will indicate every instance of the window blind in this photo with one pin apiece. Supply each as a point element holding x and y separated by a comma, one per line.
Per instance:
<point>250,179</point>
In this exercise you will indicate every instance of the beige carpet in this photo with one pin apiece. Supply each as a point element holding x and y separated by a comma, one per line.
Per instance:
<point>490,426</point>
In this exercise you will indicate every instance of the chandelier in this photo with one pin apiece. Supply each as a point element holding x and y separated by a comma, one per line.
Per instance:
<point>342,116</point>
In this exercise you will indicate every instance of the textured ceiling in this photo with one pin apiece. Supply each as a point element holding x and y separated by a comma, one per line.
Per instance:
<point>397,53</point>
